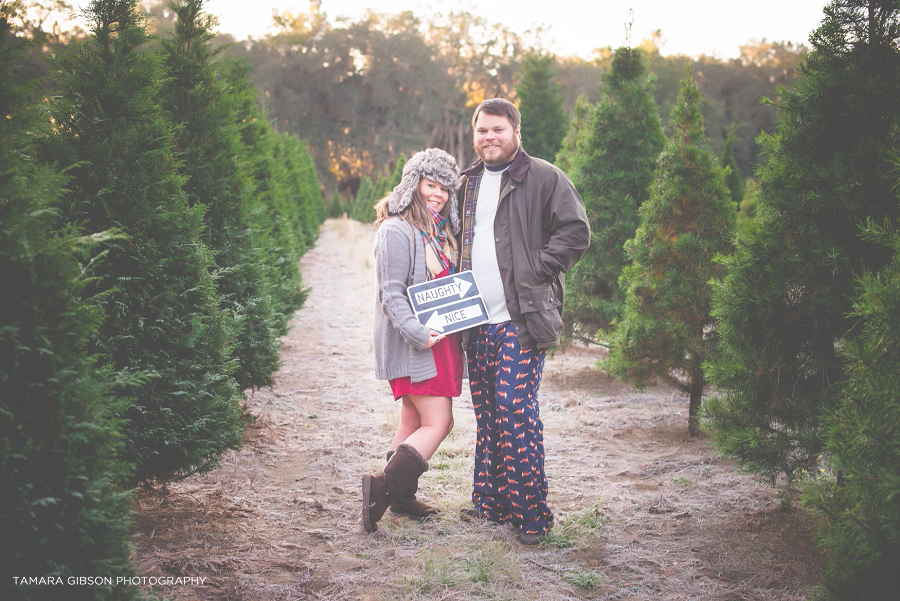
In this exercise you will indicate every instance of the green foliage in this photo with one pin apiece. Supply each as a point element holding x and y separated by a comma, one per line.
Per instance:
<point>733,178</point>
<point>612,169</point>
<point>303,202</point>
<point>398,83</point>
<point>731,91</point>
<point>208,141</point>
<point>747,207</point>
<point>667,331</point>
<point>576,529</point>
<point>388,180</point>
<point>368,194</point>
<point>61,510</point>
<point>573,147</point>
<point>785,308</point>
<point>265,157</point>
<point>859,512</point>
<point>160,301</point>
<point>336,206</point>
<point>540,102</point>
<point>388,74</point>
<point>589,579</point>
<point>397,174</point>
<point>364,206</point>
<point>383,185</point>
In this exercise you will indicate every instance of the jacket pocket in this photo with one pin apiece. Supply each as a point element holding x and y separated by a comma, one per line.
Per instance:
<point>540,308</point>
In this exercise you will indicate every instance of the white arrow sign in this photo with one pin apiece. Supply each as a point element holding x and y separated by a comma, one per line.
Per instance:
<point>457,288</point>
<point>447,317</point>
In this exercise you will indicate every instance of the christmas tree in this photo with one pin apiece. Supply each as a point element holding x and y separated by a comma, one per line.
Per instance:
<point>155,287</point>
<point>666,331</point>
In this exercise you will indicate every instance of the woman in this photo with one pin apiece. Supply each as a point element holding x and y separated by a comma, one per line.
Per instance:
<point>415,243</point>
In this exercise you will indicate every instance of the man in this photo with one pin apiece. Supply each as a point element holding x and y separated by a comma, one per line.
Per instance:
<point>523,226</point>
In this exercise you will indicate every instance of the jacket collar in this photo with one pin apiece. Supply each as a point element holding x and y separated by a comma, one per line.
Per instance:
<point>517,169</point>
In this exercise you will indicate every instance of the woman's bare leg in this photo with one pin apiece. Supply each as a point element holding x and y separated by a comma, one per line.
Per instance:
<point>435,417</point>
<point>409,421</point>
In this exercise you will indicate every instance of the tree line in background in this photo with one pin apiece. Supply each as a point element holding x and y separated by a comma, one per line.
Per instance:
<point>388,85</point>
<point>151,224</point>
<point>366,92</point>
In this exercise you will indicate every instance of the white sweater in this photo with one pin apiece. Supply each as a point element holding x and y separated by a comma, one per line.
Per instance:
<point>484,251</point>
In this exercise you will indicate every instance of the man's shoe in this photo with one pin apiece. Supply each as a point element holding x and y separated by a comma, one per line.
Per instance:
<point>529,540</point>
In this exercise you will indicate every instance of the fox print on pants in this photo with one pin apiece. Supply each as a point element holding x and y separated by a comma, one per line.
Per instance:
<point>509,481</point>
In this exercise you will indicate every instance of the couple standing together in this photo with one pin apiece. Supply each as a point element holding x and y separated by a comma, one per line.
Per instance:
<point>518,223</point>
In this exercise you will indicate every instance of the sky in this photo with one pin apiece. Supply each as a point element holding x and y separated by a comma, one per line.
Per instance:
<point>692,27</point>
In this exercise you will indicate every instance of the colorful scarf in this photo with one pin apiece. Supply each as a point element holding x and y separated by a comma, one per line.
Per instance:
<point>437,242</point>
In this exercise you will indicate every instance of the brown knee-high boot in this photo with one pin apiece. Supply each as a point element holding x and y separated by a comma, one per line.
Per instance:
<point>398,484</point>
<point>413,509</point>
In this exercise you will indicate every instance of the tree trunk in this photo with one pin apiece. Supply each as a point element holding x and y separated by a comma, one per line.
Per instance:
<point>694,411</point>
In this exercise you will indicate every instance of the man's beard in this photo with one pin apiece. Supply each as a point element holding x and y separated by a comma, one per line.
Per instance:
<point>507,154</point>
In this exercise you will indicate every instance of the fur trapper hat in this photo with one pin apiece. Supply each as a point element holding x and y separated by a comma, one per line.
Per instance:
<point>436,165</point>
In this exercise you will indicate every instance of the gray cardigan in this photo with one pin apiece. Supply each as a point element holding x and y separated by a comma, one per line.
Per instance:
<point>397,336</point>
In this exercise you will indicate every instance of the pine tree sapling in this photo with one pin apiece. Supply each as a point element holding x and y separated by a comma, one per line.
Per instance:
<point>388,180</point>
<point>734,180</point>
<point>61,511</point>
<point>396,176</point>
<point>363,209</point>
<point>573,145</point>
<point>612,173</point>
<point>666,330</point>
<point>156,289</point>
<point>784,310</point>
<point>381,183</point>
<point>859,512</point>
<point>208,141</point>
<point>541,106</point>
<point>336,206</point>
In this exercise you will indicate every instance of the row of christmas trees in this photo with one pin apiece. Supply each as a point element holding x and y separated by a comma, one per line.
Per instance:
<point>151,223</point>
<point>794,318</point>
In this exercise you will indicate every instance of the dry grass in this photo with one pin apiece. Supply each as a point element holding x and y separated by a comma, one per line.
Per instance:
<point>642,511</point>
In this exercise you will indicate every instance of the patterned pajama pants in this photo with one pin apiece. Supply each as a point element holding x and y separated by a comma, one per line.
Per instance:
<point>510,485</point>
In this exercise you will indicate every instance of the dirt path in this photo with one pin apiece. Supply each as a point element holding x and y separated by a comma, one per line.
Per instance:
<point>642,511</point>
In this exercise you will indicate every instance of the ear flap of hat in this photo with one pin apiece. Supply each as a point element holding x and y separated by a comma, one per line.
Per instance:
<point>453,219</point>
<point>403,193</point>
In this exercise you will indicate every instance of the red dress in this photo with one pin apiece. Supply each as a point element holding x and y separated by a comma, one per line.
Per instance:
<point>447,360</point>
